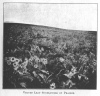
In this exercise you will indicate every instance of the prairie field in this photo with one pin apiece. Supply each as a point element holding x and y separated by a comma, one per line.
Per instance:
<point>42,57</point>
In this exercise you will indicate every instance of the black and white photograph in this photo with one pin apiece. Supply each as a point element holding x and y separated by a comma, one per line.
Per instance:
<point>49,46</point>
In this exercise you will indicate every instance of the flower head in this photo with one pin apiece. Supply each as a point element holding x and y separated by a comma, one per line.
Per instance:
<point>36,59</point>
<point>15,65</point>
<point>61,59</point>
<point>44,61</point>
<point>12,59</point>
<point>52,85</point>
<point>36,66</point>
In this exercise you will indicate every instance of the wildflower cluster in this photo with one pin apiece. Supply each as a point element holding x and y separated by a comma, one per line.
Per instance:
<point>42,70</point>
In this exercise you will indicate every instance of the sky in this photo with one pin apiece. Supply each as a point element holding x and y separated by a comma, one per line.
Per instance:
<point>66,16</point>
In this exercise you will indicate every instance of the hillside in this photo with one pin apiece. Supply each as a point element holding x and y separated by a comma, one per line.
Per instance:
<point>48,52</point>
<point>53,37</point>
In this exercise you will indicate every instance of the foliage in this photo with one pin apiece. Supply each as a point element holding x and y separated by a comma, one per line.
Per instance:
<point>43,69</point>
<point>49,58</point>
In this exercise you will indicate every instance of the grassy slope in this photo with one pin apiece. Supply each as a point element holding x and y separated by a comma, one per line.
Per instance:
<point>16,33</point>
